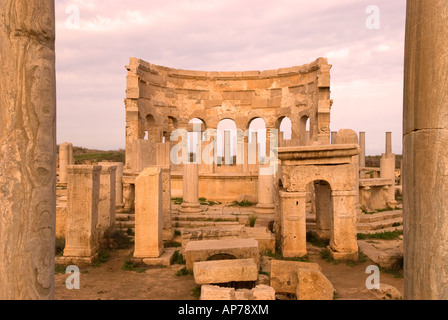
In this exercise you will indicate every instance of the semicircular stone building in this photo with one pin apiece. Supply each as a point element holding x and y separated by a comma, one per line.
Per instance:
<point>161,99</point>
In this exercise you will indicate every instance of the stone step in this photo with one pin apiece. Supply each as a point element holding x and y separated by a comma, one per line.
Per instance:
<point>379,225</point>
<point>205,217</point>
<point>391,229</point>
<point>367,218</point>
<point>124,217</point>
<point>196,224</point>
<point>125,224</point>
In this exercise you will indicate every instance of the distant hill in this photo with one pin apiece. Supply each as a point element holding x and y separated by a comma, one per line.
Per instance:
<point>374,161</point>
<point>92,156</point>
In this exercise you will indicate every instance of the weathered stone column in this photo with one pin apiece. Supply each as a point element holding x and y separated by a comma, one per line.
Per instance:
<point>253,152</point>
<point>387,169</point>
<point>118,181</point>
<point>228,159</point>
<point>265,192</point>
<point>82,214</point>
<point>27,149</point>
<point>148,214</point>
<point>166,203</point>
<point>343,243</point>
<point>425,152</point>
<point>190,181</point>
<point>65,159</point>
<point>362,154</point>
<point>106,206</point>
<point>333,136</point>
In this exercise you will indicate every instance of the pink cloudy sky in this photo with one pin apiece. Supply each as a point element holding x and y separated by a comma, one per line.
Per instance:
<point>228,35</point>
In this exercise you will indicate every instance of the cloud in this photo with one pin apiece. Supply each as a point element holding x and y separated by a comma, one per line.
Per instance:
<point>227,35</point>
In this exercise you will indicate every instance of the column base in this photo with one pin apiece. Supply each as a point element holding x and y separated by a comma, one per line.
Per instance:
<point>78,261</point>
<point>343,256</point>
<point>265,209</point>
<point>190,208</point>
<point>164,260</point>
<point>294,253</point>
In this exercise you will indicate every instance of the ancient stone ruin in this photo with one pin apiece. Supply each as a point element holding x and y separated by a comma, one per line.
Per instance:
<point>238,200</point>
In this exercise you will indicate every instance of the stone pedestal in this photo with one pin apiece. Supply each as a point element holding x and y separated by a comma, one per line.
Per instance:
<point>190,181</point>
<point>149,214</point>
<point>343,240</point>
<point>106,207</point>
<point>293,224</point>
<point>28,149</point>
<point>118,181</point>
<point>425,152</point>
<point>82,213</point>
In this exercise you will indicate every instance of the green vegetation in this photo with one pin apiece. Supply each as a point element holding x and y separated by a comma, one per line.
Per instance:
<point>316,241</point>
<point>278,256</point>
<point>172,244</point>
<point>117,239</point>
<point>177,258</point>
<point>184,272</point>
<point>196,292</point>
<point>389,235</point>
<point>243,203</point>
<point>178,201</point>
<point>59,269</point>
<point>103,256</point>
<point>252,219</point>
<point>83,155</point>
<point>326,255</point>
<point>59,246</point>
<point>177,232</point>
<point>128,265</point>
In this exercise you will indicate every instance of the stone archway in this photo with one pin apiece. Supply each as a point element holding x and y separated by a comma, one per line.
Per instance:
<point>335,164</point>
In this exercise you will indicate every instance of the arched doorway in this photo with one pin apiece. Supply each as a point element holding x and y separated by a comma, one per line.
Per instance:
<point>227,133</point>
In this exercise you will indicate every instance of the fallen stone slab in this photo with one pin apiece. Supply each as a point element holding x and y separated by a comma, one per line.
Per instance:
<point>313,285</point>
<point>284,274</point>
<point>224,271</point>
<point>207,249</point>
<point>209,292</point>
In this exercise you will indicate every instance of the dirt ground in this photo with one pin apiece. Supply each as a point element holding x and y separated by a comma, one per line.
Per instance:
<point>109,282</point>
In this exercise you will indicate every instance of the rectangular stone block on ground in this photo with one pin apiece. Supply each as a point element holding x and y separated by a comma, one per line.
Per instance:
<point>284,274</point>
<point>223,271</point>
<point>204,250</point>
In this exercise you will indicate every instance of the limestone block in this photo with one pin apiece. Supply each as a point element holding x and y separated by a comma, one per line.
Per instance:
<point>244,294</point>
<point>82,211</point>
<point>284,274</point>
<point>223,271</point>
<point>313,285</point>
<point>346,136</point>
<point>148,214</point>
<point>263,292</point>
<point>238,248</point>
<point>106,206</point>
<point>118,180</point>
<point>209,292</point>
<point>61,221</point>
